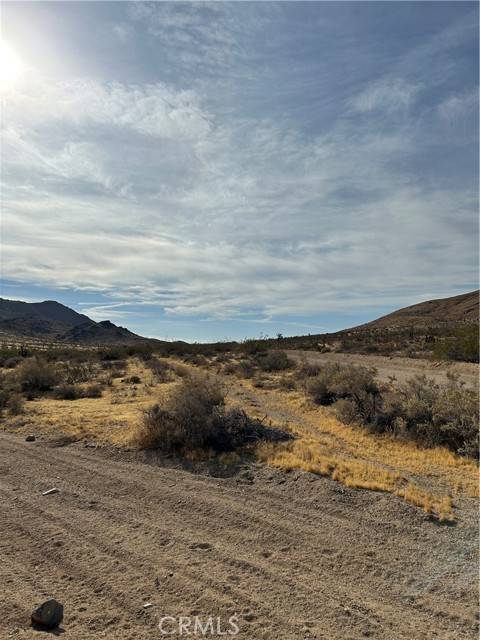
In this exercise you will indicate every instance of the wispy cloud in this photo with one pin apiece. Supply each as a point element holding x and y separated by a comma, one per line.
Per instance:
<point>389,94</point>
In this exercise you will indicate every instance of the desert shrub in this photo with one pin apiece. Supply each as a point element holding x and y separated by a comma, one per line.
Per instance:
<point>420,410</point>
<point>92,391</point>
<point>15,404</point>
<point>252,347</point>
<point>133,380</point>
<point>11,363</point>
<point>75,392</point>
<point>230,369</point>
<point>112,353</point>
<point>273,361</point>
<point>189,419</point>
<point>196,359</point>
<point>194,417</point>
<point>4,398</point>
<point>76,372</point>
<point>67,392</point>
<point>441,415</point>
<point>287,383</point>
<point>318,386</point>
<point>161,369</point>
<point>343,382</point>
<point>180,370</point>
<point>346,411</point>
<point>259,382</point>
<point>308,369</point>
<point>464,345</point>
<point>36,376</point>
<point>358,385</point>
<point>246,369</point>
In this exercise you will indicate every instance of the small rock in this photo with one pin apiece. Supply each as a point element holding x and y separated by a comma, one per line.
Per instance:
<point>48,615</point>
<point>30,438</point>
<point>50,491</point>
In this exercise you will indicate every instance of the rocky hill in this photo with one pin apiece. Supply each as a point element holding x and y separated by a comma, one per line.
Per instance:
<point>51,320</point>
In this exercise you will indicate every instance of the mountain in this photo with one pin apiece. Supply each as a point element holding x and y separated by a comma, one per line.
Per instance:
<point>100,333</point>
<point>457,310</point>
<point>51,320</point>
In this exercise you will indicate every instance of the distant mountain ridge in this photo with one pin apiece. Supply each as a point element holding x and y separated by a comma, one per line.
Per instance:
<point>54,321</point>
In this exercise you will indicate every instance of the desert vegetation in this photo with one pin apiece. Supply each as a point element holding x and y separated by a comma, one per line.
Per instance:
<point>333,420</point>
<point>420,410</point>
<point>194,417</point>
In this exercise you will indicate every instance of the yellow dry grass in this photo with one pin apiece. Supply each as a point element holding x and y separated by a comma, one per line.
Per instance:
<point>357,458</point>
<point>113,418</point>
<point>427,478</point>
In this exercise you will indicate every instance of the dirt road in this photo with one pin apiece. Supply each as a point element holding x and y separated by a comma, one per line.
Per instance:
<point>401,368</point>
<point>294,555</point>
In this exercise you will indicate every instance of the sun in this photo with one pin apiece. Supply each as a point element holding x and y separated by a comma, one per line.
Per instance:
<point>11,66</point>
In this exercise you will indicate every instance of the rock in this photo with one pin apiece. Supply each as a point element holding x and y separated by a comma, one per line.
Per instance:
<point>50,491</point>
<point>30,438</point>
<point>147,605</point>
<point>48,615</point>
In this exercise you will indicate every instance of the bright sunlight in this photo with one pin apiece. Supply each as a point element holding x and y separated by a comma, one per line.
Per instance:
<point>11,66</point>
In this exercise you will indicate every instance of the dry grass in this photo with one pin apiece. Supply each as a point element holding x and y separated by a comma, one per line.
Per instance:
<point>427,478</point>
<point>309,455</point>
<point>110,419</point>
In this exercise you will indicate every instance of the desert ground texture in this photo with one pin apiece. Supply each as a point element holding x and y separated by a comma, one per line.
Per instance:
<point>358,548</point>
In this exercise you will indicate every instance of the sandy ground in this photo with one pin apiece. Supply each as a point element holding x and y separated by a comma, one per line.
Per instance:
<point>401,368</point>
<point>294,555</point>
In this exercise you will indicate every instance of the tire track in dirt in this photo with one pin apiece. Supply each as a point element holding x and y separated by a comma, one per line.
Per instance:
<point>320,563</point>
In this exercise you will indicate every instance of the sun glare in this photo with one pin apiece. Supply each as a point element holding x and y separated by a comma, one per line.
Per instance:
<point>11,66</point>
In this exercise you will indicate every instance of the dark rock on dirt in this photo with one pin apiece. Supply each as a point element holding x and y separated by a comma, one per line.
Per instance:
<point>48,615</point>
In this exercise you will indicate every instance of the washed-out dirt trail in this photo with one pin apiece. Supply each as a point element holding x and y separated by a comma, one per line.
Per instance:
<point>294,555</point>
<point>400,368</point>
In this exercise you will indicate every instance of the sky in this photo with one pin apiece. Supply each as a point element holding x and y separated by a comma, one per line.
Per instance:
<point>213,171</point>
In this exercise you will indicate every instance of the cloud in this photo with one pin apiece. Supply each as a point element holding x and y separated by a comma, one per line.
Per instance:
<point>153,110</point>
<point>389,94</point>
<point>457,107</point>
<point>145,194</point>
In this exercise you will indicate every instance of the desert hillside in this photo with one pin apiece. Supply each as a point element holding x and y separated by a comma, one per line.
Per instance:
<point>457,309</point>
